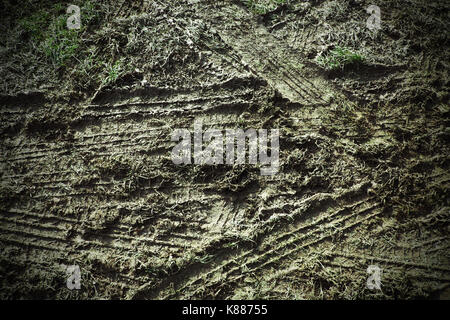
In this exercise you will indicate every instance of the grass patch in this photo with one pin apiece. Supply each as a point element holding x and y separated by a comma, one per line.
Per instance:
<point>35,25</point>
<point>113,71</point>
<point>47,30</point>
<point>60,44</point>
<point>338,58</point>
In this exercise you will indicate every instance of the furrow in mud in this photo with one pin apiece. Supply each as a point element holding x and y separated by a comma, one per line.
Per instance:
<point>269,58</point>
<point>275,243</point>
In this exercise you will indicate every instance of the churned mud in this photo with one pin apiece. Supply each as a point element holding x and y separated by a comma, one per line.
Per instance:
<point>87,177</point>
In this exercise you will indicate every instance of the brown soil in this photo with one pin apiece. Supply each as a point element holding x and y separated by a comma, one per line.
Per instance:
<point>87,177</point>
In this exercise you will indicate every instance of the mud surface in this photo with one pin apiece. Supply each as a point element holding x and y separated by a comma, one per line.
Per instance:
<point>87,177</point>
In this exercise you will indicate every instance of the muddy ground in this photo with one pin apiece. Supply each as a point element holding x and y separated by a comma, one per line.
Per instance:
<point>87,177</point>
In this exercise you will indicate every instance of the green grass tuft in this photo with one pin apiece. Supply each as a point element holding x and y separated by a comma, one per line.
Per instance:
<point>48,31</point>
<point>338,58</point>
